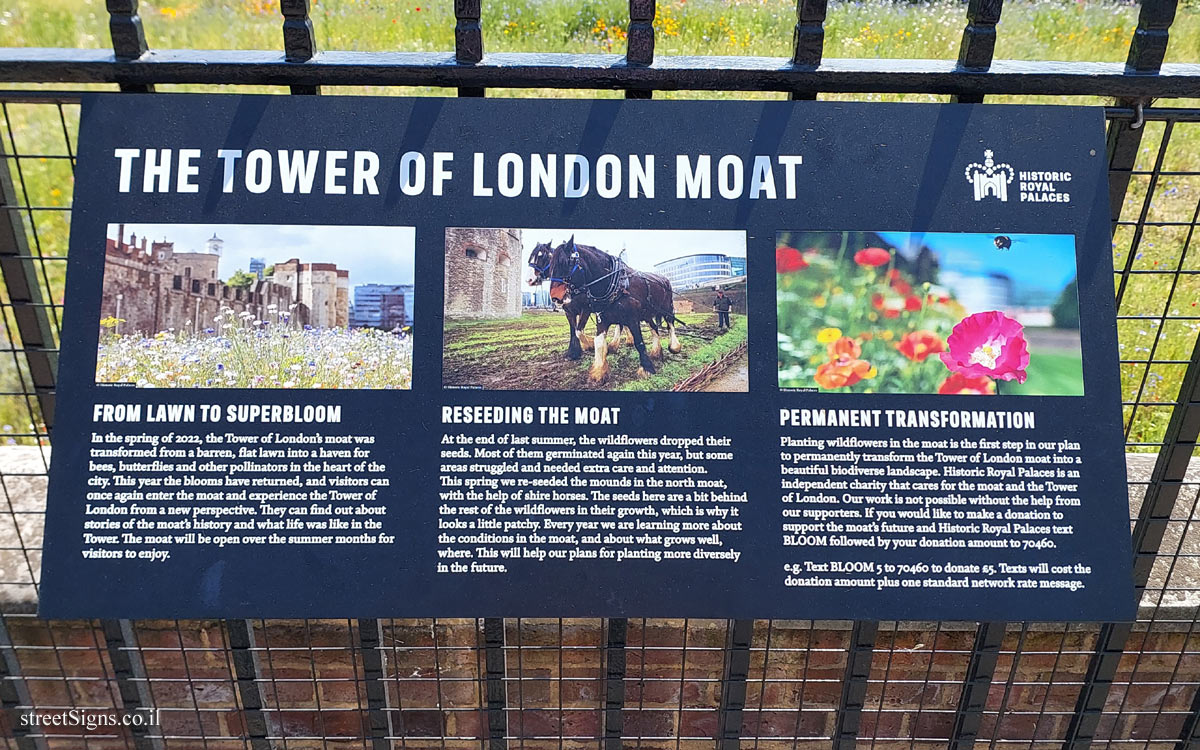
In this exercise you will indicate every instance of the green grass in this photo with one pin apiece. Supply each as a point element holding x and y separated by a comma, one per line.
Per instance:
<point>1049,372</point>
<point>1049,30</point>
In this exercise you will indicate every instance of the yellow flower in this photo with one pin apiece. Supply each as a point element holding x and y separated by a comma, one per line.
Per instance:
<point>169,12</point>
<point>871,373</point>
<point>887,335</point>
<point>829,335</point>
<point>819,301</point>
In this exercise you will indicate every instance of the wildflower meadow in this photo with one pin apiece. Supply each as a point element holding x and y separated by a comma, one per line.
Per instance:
<point>241,351</point>
<point>953,314</point>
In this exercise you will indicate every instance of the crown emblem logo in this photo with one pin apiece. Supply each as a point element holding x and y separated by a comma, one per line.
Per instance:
<point>990,178</point>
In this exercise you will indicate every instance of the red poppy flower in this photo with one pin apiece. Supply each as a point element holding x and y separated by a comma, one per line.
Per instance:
<point>845,348</point>
<point>902,287</point>
<point>893,274</point>
<point>872,256</point>
<point>967,385</point>
<point>789,259</point>
<point>912,304</point>
<point>866,336</point>
<point>920,344</point>
<point>877,301</point>
<point>842,373</point>
<point>891,313</point>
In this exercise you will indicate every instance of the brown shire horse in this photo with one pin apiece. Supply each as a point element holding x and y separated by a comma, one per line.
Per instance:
<point>619,295</point>
<point>576,307</point>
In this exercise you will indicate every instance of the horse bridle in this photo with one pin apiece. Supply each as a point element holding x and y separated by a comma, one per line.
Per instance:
<point>614,287</point>
<point>543,272</point>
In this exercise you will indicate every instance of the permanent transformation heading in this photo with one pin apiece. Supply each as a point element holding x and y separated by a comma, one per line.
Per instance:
<point>509,175</point>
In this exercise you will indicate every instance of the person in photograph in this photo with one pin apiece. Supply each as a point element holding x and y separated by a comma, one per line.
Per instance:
<point>722,304</point>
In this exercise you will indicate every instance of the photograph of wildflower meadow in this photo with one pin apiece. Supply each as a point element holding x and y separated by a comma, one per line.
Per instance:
<point>256,306</point>
<point>933,312</point>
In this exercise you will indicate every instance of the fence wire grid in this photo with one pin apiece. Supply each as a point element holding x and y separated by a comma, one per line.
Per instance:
<point>608,684</point>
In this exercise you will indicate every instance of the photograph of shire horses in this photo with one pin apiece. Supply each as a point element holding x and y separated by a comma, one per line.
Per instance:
<point>641,310</point>
<point>587,281</point>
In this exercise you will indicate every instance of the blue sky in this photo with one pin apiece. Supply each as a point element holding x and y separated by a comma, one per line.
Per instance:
<point>1035,261</point>
<point>372,255</point>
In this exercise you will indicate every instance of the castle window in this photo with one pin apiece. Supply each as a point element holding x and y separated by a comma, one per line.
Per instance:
<point>212,290</point>
<point>476,253</point>
<point>177,282</point>
<point>225,292</point>
<point>239,293</point>
<point>195,286</point>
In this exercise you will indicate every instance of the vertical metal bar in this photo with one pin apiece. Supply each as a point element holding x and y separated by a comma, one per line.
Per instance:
<point>299,41</point>
<point>120,641</point>
<point>976,685</point>
<point>979,37</point>
<point>246,670</point>
<point>639,50</point>
<point>1147,50</point>
<point>854,683</point>
<point>1166,480</point>
<point>808,39</point>
<point>496,691</point>
<point>128,37</point>
<point>614,682</point>
<point>379,718</point>
<point>979,40</point>
<point>14,693</point>
<point>733,683</point>
<point>468,38</point>
<point>1097,681</point>
<point>29,308</point>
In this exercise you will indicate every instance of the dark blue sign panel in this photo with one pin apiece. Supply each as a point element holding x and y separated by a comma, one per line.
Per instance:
<point>347,357</point>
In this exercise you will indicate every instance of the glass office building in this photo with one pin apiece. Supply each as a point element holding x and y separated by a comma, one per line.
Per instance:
<point>702,269</point>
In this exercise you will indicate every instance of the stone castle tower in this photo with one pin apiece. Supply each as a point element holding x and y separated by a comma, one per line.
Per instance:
<point>323,288</point>
<point>484,270</point>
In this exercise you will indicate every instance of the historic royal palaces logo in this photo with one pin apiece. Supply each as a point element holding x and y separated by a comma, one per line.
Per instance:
<point>992,179</point>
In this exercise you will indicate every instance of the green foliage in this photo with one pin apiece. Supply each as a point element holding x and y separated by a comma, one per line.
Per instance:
<point>1066,308</point>
<point>241,279</point>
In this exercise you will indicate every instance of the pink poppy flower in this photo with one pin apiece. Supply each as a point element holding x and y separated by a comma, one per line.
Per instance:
<point>988,343</point>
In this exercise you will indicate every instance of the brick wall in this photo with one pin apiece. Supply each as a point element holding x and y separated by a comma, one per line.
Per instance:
<point>484,269</point>
<point>312,682</point>
<point>143,294</point>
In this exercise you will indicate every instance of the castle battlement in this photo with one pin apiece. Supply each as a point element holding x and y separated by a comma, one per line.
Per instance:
<point>153,288</point>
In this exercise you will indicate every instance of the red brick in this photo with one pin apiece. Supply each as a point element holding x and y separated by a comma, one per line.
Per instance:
<point>648,723</point>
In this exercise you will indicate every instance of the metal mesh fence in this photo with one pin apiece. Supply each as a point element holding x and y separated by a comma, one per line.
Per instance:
<point>606,684</point>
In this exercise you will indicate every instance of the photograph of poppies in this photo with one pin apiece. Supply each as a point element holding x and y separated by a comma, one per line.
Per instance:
<point>928,312</point>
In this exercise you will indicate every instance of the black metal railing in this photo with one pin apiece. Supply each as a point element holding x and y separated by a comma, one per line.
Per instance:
<point>495,684</point>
